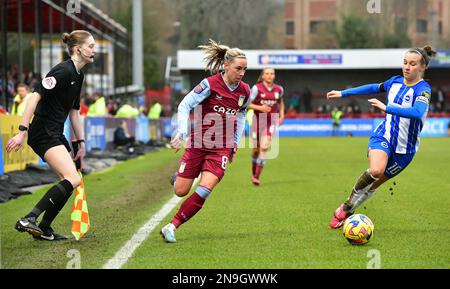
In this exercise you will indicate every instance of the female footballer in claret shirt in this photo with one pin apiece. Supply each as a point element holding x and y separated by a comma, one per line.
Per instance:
<point>267,103</point>
<point>220,103</point>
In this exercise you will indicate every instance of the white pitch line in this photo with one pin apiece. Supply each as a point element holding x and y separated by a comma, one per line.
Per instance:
<point>142,234</point>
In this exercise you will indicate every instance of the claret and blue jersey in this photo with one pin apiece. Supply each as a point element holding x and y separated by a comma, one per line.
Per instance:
<point>217,98</point>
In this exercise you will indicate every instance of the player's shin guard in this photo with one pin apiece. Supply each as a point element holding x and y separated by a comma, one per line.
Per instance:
<point>57,194</point>
<point>191,206</point>
<point>254,164</point>
<point>361,191</point>
<point>362,198</point>
<point>259,167</point>
<point>52,212</point>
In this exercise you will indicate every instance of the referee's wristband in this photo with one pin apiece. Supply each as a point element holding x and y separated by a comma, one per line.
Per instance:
<point>80,141</point>
<point>23,128</point>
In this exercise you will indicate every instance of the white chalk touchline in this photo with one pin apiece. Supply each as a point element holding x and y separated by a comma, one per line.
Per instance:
<point>142,234</point>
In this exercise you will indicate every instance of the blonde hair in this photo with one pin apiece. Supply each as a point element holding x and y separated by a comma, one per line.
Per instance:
<point>427,52</point>
<point>262,73</point>
<point>76,37</point>
<point>216,54</point>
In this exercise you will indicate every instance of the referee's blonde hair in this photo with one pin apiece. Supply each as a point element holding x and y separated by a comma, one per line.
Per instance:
<point>217,54</point>
<point>76,37</point>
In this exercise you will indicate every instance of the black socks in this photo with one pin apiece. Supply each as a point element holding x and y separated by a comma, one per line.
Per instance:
<point>52,202</point>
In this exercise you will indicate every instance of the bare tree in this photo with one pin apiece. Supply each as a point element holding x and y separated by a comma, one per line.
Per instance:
<point>243,24</point>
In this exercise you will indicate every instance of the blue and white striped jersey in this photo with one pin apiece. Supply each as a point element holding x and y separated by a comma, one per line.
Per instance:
<point>401,132</point>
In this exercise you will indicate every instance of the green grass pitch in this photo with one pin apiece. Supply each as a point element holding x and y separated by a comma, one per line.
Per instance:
<point>281,224</point>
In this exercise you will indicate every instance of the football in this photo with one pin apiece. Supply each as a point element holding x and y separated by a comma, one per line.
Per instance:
<point>358,229</point>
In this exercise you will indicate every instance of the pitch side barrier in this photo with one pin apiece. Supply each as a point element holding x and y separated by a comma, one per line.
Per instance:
<point>98,133</point>
<point>303,127</point>
<point>14,161</point>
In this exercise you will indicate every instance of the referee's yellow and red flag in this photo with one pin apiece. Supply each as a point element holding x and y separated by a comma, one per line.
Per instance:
<point>79,214</point>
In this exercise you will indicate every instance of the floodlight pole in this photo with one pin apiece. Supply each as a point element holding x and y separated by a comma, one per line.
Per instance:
<point>138,47</point>
<point>4,24</point>
<point>434,28</point>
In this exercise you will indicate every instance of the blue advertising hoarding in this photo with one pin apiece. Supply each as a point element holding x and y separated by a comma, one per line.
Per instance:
<point>142,129</point>
<point>94,128</point>
<point>442,59</point>
<point>433,127</point>
<point>324,127</point>
<point>170,126</point>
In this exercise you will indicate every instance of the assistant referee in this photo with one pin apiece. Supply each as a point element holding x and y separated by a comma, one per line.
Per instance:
<point>56,98</point>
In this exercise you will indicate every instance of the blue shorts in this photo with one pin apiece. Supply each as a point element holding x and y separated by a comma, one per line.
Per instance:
<point>396,162</point>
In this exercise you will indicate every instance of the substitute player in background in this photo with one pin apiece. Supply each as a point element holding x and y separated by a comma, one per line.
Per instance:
<point>221,102</point>
<point>57,97</point>
<point>267,101</point>
<point>395,141</point>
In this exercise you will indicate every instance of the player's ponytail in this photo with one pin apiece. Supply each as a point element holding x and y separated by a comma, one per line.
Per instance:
<point>427,52</point>
<point>216,54</point>
<point>76,37</point>
<point>260,77</point>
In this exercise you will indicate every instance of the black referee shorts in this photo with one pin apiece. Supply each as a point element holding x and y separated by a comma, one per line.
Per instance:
<point>41,138</point>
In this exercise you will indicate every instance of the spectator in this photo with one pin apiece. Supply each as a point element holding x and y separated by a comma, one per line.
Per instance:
<point>320,109</point>
<point>2,110</point>
<point>355,107</point>
<point>294,102</point>
<point>20,100</point>
<point>113,107</point>
<point>155,111</point>
<point>84,104</point>
<point>141,102</point>
<point>291,112</point>
<point>13,78</point>
<point>98,107</point>
<point>32,80</point>
<point>307,98</point>
<point>1,84</point>
<point>154,115</point>
<point>9,90</point>
<point>14,72</point>
<point>121,135</point>
<point>349,109</point>
<point>128,111</point>
<point>336,115</point>
<point>440,100</point>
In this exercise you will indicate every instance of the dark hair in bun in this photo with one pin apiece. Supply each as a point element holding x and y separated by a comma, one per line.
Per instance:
<point>427,52</point>
<point>76,37</point>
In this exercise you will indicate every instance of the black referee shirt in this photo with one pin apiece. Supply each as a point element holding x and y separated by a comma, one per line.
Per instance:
<point>60,92</point>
